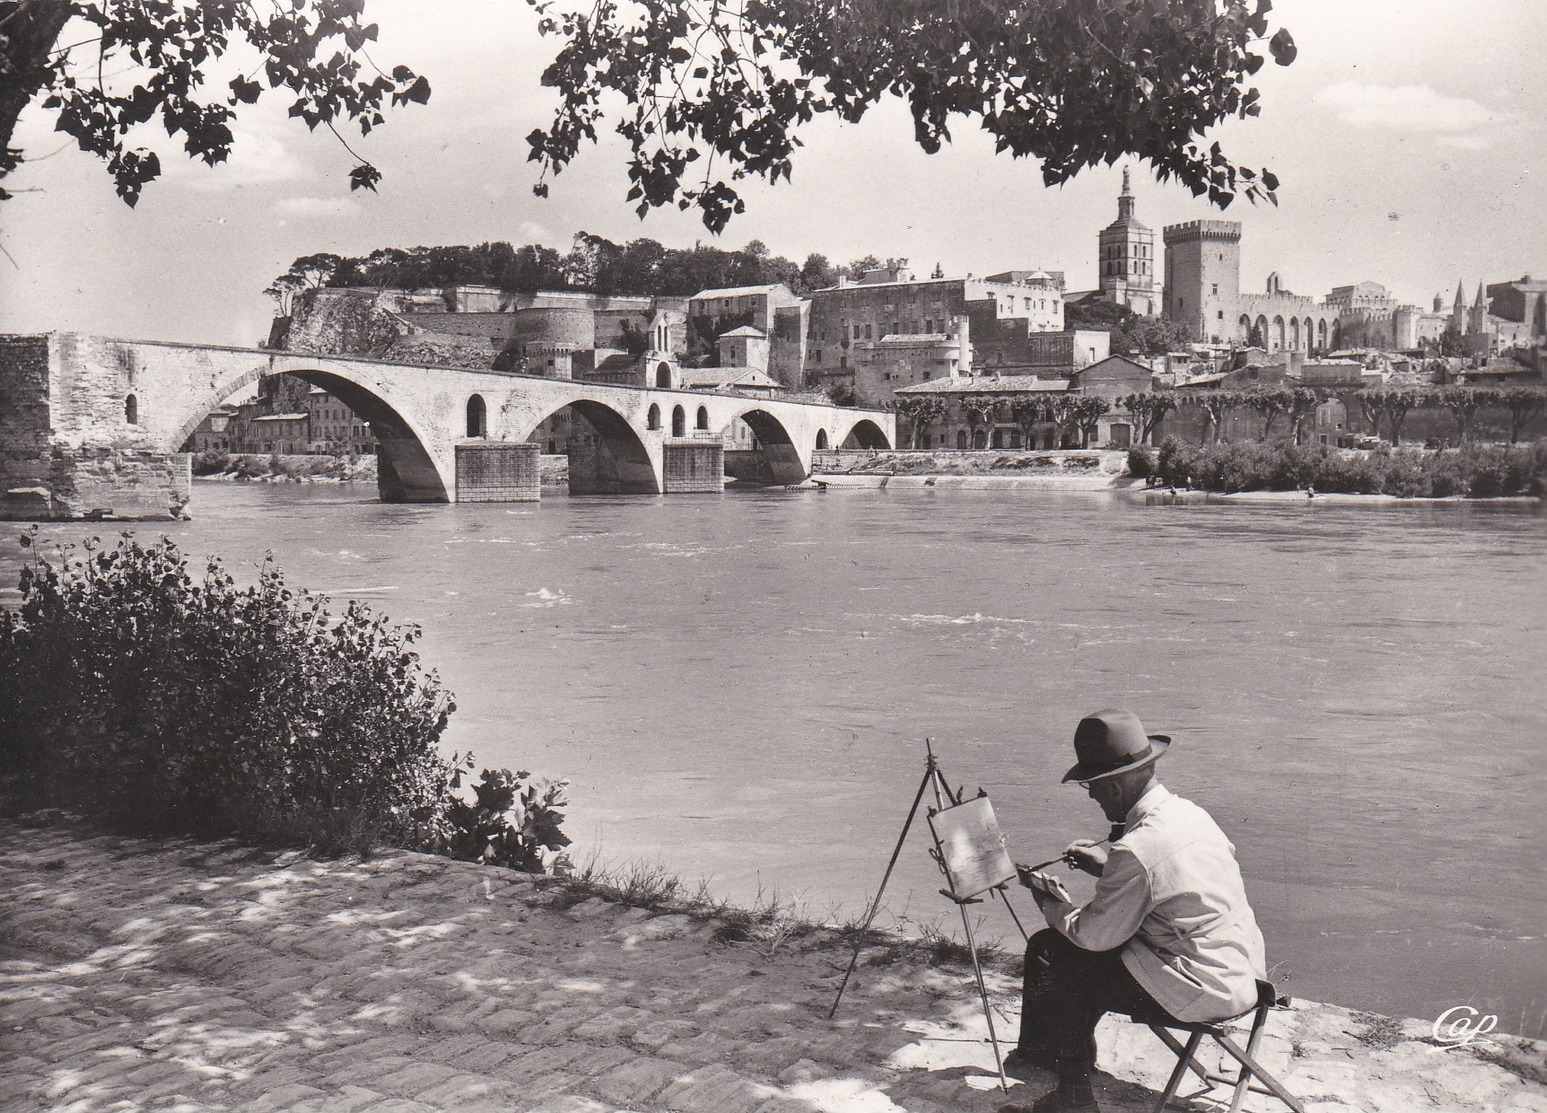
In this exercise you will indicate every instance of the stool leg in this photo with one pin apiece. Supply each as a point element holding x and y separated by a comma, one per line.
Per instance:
<point>1180,1052</point>
<point>1245,1081</point>
<point>1182,1064</point>
<point>1251,1066</point>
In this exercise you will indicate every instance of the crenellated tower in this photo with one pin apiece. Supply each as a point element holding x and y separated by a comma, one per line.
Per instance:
<point>1203,278</point>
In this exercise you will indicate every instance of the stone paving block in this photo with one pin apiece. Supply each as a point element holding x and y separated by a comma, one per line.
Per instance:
<point>348,1099</point>
<point>616,1023</point>
<point>568,1103</point>
<point>412,1080</point>
<point>784,1103</point>
<point>714,1089</point>
<point>472,1091</point>
<point>400,1105</point>
<point>150,1073</point>
<point>373,1047</point>
<point>365,1071</point>
<point>706,1047</point>
<point>508,1022</point>
<point>770,1057</point>
<point>541,1061</point>
<point>660,1032</point>
<point>486,1056</point>
<point>544,1092</point>
<point>631,1084</point>
<point>283,1097</point>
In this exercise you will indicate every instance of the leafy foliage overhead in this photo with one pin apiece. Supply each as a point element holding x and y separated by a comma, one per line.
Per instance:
<point>313,50</point>
<point>716,92</point>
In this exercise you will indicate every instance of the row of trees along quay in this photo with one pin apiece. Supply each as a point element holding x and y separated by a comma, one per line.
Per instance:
<point>1384,408</point>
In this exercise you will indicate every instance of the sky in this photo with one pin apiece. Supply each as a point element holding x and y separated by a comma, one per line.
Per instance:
<point>1408,137</point>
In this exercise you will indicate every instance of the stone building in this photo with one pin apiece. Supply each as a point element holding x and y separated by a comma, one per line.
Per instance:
<point>964,419</point>
<point>971,321</point>
<point>1127,262</point>
<point>1503,315</point>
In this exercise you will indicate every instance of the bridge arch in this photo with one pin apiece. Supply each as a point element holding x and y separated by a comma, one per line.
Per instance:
<point>865,433</point>
<point>407,471</point>
<point>606,454</point>
<point>786,461</point>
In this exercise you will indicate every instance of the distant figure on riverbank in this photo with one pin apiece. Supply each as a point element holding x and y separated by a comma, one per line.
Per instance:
<point>1168,930</point>
<point>1310,492</point>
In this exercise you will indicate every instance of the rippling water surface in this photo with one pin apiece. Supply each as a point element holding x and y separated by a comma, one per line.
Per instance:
<point>738,688</point>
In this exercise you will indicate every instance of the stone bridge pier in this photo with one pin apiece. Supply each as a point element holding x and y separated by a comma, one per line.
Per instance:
<point>92,425</point>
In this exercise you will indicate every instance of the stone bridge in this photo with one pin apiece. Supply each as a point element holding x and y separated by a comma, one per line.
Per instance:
<point>446,434</point>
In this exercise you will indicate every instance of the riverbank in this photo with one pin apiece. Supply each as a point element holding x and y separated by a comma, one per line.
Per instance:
<point>284,469</point>
<point>149,974</point>
<point>1261,470</point>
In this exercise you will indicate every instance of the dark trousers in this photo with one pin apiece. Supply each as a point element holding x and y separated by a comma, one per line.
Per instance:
<point>1066,992</point>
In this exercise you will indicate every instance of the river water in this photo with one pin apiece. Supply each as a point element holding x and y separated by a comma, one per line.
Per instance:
<point>739,687</point>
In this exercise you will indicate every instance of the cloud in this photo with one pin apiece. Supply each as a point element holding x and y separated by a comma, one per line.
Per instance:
<point>1465,142</point>
<point>1407,108</point>
<point>346,208</point>
<point>258,157</point>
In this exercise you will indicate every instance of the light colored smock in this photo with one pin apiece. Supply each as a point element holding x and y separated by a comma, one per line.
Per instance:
<point>1171,897</point>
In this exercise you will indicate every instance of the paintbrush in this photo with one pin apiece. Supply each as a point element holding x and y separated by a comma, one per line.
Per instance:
<point>1117,833</point>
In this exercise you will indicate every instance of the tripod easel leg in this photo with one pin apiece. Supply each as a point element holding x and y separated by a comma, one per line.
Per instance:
<point>929,774</point>
<point>988,1010</point>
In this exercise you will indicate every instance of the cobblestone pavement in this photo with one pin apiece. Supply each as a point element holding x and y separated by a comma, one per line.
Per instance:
<point>173,975</point>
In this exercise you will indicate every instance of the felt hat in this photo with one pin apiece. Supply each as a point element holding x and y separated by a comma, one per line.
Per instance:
<point>1111,742</point>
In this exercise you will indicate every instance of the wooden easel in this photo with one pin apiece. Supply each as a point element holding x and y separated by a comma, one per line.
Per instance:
<point>944,799</point>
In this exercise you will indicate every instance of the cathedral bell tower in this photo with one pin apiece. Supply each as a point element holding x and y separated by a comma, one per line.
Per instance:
<point>1126,250</point>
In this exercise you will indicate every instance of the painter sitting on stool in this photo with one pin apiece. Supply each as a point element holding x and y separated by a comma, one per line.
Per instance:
<point>1168,925</point>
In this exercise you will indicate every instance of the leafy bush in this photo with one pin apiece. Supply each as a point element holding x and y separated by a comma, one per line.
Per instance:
<point>1141,465</point>
<point>1478,470</point>
<point>159,702</point>
<point>507,823</point>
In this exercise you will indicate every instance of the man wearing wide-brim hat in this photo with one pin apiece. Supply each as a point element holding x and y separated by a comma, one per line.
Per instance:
<point>1168,928</point>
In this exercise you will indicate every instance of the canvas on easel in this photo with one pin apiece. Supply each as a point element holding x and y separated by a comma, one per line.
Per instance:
<point>972,848</point>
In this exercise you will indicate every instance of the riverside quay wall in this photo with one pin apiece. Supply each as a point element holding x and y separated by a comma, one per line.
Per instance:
<point>71,442</point>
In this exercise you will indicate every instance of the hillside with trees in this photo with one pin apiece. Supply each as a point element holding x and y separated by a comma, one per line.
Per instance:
<point>593,263</point>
